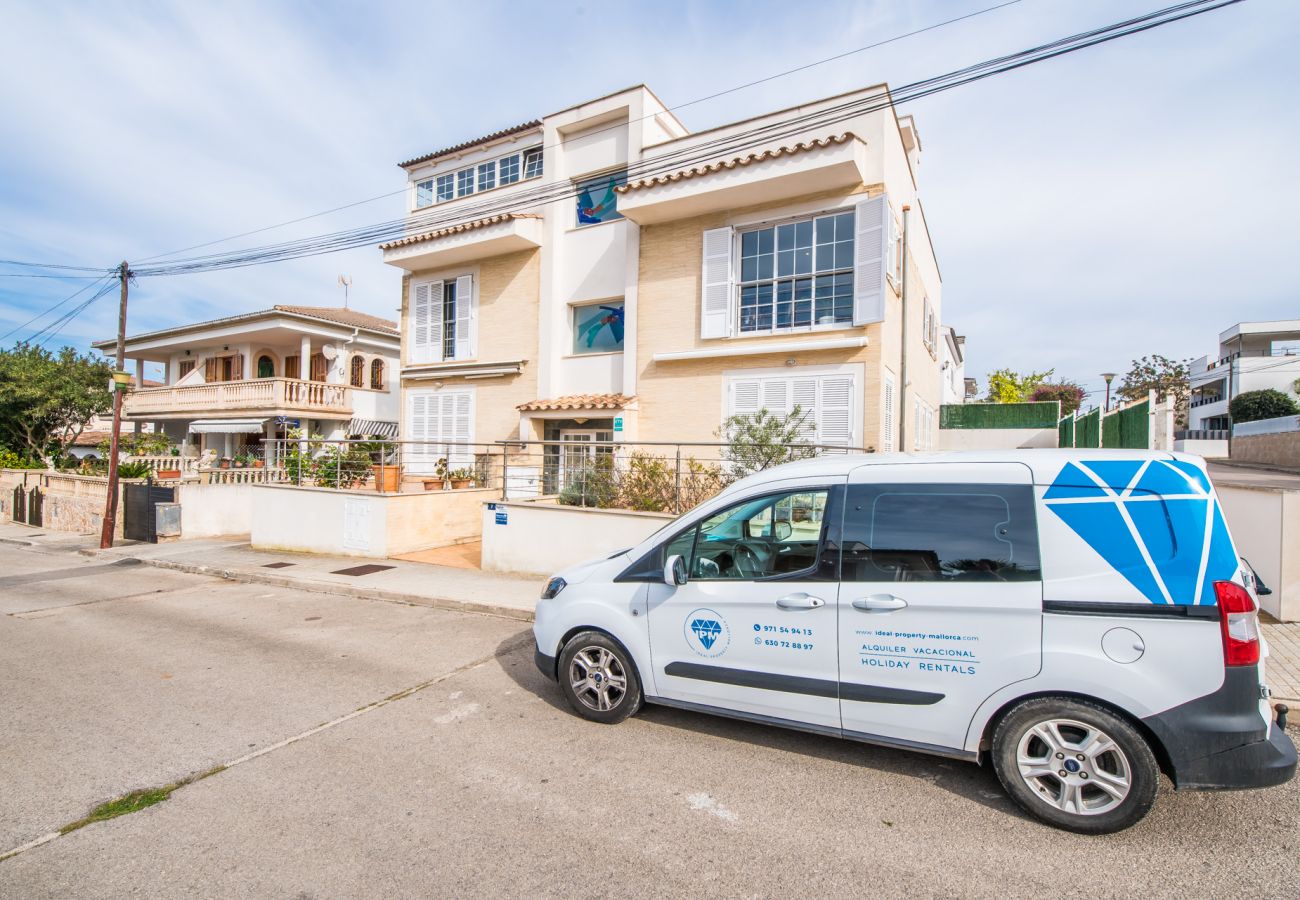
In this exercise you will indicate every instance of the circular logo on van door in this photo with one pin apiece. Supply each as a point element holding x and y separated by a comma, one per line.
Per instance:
<point>707,632</point>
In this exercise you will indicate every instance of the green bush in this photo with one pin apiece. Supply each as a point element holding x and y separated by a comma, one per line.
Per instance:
<point>146,443</point>
<point>762,440</point>
<point>134,470</point>
<point>592,484</point>
<point>1255,405</point>
<point>11,460</point>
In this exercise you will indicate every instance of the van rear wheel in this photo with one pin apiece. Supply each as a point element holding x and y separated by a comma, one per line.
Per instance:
<point>1075,765</point>
<point>598,678</point>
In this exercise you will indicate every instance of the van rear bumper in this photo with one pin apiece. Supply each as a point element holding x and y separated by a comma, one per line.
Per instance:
<point>1221,742</point>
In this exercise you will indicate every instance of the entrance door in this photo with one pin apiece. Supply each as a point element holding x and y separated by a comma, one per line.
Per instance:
<point>582,448</point>
<point>940,599</point>
<point>753,629</point>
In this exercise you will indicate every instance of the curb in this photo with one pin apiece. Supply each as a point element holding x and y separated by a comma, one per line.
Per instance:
<point>17,542</point>
<point>324,587</point>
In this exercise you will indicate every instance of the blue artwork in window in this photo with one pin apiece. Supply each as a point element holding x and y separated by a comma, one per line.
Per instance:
<point>597,199</point>
<point>598,329</point>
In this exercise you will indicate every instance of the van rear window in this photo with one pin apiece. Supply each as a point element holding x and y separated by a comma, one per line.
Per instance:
<point>940,532</point>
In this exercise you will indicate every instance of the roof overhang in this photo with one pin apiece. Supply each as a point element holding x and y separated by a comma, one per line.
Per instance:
<point>475,240</point>
<point>769,176</point>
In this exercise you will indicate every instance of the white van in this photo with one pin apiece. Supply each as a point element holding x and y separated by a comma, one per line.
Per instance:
<point>1078,617</point>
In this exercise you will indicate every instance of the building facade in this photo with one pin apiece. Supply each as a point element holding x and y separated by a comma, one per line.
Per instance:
<point>602,273</point>
<point>1251,356</point>
<point>231,383</point>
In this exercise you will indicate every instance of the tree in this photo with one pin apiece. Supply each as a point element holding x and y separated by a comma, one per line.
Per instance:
<point>1167,377</point>
<point>1006,386</point>
<point>1068,393</point>
<point>47,399</point>
<point>763,440</point>
<point>1255,405</point>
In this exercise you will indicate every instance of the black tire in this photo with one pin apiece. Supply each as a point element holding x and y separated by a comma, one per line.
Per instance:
<point>607,664</point>
<point>1085,800</point>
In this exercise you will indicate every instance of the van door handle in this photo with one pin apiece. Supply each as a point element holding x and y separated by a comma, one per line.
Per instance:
<point>800,601</point>
<point>879,603</point>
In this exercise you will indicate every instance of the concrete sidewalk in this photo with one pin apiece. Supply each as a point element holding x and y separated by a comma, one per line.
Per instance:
<point>443,587</point>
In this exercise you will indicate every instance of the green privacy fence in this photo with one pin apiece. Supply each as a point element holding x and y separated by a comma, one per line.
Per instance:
<point>1129,428</point>
<point>1124,429</point>
<point>1087,430</point>
<point>999,415</point>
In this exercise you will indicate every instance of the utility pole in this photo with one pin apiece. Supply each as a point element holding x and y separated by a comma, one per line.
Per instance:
<point>119,392</point>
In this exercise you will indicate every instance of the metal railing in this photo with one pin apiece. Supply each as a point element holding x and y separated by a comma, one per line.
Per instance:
<point>1202,434</point>
<point>577,470</point>
<point>1204,401</point>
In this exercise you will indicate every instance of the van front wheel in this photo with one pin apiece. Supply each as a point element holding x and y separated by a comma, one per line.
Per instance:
<point>1075,765</point>
<point>598,678</point>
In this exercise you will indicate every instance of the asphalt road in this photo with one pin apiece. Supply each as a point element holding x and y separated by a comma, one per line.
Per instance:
<point>480,782</point>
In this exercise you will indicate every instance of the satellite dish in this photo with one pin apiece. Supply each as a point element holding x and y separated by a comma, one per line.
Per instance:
<point>329,351</point>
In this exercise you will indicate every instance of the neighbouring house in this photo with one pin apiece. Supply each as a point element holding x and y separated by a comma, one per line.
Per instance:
<point>952,367</point>
<point>100,428</point>
<point>1252,356</point>
<point>232,383</point>
<point>603,273</point>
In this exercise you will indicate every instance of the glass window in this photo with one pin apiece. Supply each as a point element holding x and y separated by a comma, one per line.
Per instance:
<point>508,169</point>
<point>598,328</point>
<point>358,372</point>
<point>764,537</point>
<point>464,182</point>
<point>940,532</point>
<point>533,162</point>
<point>597,200</point>
<point>424,193</point>
<point>487,175</point>
<point>449,319</point>
<point>446,187</point>
<point>265,367</point>
<point>377,374</point>
<point>797,274</point>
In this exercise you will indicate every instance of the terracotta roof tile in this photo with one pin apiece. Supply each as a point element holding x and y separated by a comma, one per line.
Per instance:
<point>487,138</point>
<point>341,315</point>
<point>735,162</point>
<point>578,401</point>
<point>455,229</point>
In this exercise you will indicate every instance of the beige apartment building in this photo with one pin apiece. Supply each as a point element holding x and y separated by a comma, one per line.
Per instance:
<point>602,273</point>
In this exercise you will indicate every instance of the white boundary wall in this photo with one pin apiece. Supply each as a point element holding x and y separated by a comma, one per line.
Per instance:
<point>543,538</point>
<point>996,438</point>
<point>1265,526</point>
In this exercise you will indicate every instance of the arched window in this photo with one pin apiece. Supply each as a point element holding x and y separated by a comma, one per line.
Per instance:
<point>358,372</point>
<point>319,367</point>
<point>265,367</point>
<point>377,374</point>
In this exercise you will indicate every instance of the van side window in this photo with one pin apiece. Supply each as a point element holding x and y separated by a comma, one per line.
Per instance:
<point>940,532</point>
<point>763,537</point>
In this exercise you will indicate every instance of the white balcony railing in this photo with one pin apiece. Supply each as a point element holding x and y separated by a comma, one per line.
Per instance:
<point>261,395</point>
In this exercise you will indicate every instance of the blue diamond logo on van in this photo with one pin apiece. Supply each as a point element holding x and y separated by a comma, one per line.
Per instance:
<point>1156,522</point>
<point>707,630</point>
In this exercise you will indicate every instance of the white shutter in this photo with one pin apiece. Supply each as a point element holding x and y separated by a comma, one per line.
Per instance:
<point>466,315</point>
<point>744,397</point>
<point>835,410</point>
<point>426,322</point>
<point>459,423</point>
<point>716,284</point>
<point>418,459</point>
<point>887,419</point>
<point>870,250</point>
<point>776,396</point>
<point>804,396</point>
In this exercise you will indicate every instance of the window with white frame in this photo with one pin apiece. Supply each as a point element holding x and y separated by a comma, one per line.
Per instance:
<point>830,402</point>
<point>499,172</point>
<point>465,182</point>
<point>929,327</point>
<point>446,187</point>
<point>487,175</point>
<point>894,252</point>
<point>439,425</point>
<point>508,169</point>
<point>533,162</point>
<point>797,274</point>
<point>442,320</point>
<point>424,193</point>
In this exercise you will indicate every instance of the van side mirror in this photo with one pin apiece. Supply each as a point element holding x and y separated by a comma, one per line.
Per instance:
<point>1261,589</point>
<point>675,570</point>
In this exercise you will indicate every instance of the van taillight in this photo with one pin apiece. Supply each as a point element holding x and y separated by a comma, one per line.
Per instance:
<point>1239,620</point>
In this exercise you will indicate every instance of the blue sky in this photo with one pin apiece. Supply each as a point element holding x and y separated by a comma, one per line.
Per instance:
<point>1134,198</point>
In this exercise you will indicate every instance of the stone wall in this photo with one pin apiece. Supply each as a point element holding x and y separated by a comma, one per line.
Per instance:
<point>72,503</point>
<point>1279,449</point>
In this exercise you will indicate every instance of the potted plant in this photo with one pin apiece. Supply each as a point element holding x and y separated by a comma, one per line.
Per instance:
<point>383,455</point>
<point>437,482</point>
<point>225,462</point>
<point>168,474</point>
<point>461,478</point>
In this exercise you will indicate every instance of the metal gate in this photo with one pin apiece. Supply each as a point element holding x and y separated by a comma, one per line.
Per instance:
<point>20,505</point>
<point>35,507</point>
<point>139,510</point>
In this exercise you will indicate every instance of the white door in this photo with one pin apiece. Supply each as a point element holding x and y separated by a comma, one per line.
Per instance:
<point>580,448</point>
<point>753,630</point>
<point>940,596</point>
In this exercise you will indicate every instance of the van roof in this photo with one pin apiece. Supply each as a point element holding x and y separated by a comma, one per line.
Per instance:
<point>1044,463</point>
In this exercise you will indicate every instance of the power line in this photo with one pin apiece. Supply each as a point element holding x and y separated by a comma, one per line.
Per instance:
<point>680,106</point>
<point>696,152</point>
<point>47,311</point>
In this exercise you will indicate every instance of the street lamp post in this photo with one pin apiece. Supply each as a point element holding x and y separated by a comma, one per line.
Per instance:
<point>1109,376</point>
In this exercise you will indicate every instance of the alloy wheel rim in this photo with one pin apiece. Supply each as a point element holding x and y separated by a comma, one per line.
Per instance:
<point>598,679</point>
<point>1073,766</point>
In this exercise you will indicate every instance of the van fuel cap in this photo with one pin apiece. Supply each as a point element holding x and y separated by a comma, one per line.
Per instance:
<point>1123,645</point>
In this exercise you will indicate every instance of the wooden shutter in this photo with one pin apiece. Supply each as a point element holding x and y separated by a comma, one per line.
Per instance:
<point>888,425</point>
<point>426,322</point>
<point>292,367</point>
<point>835,410</point>
<point>319,367</point>
<point>210,370</point>
<point>716,287</point>
<point>237,367</point>
<point>870,250</point>
<point>466,318</point>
